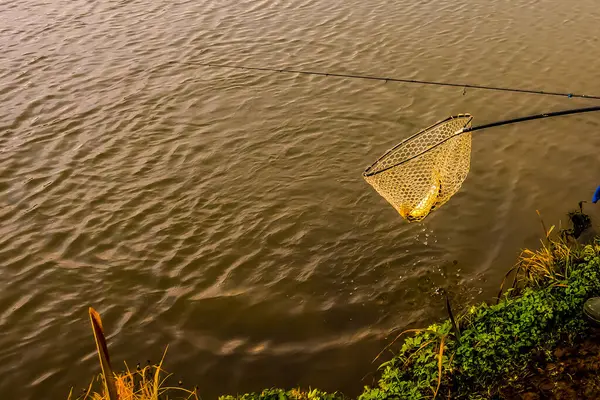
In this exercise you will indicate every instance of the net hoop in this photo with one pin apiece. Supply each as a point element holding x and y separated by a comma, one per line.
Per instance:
<point>370,170</point>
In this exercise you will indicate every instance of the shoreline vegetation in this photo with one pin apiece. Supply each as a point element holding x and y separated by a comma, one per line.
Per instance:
<point>532,342</point>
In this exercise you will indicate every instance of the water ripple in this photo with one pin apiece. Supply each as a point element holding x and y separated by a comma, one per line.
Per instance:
<point>222,212</point>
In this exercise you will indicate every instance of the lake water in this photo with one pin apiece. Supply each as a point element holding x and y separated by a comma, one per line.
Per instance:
<point>223,213</point>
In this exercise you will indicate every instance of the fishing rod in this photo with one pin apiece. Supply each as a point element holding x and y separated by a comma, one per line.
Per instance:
<point>392,79</point>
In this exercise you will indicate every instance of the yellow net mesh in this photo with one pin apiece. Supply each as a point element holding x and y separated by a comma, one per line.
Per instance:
<point>424,171</point>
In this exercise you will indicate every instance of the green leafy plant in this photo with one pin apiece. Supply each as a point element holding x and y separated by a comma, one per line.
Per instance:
<point>497,341</point>
<point>280,394</point>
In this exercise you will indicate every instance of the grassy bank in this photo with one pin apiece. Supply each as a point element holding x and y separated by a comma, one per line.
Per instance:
<point>490,349</point>
<point>493,346</point>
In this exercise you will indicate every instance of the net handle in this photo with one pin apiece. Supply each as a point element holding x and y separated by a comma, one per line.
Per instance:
<point>532,117</point>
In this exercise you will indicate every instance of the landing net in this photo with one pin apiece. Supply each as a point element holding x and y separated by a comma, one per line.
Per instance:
<point>422,172</point>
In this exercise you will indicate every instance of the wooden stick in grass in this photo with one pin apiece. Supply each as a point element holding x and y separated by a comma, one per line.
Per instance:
<point>102,348</point>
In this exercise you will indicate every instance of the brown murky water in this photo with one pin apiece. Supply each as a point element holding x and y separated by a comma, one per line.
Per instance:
<point>223,212</point>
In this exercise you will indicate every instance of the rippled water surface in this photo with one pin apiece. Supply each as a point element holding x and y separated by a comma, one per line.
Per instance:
<point>223,213</point>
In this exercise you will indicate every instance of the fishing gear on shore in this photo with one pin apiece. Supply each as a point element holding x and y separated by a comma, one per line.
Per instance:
<point>424,171</point>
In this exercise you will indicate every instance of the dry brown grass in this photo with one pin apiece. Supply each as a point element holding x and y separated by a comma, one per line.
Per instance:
<point>142,384</point>
<point>148,383</point>
<point>549,264</point>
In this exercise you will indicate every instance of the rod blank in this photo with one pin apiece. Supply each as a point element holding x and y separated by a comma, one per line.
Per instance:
<point>401,80</point>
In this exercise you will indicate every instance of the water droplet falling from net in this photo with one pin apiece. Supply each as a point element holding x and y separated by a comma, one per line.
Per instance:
<point>422,172</point>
